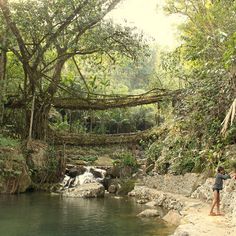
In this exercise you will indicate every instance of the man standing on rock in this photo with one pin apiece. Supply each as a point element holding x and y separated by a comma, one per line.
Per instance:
<point>218,185</point>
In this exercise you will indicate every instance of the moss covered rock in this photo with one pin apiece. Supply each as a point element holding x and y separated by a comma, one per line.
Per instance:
<point>14,173</point>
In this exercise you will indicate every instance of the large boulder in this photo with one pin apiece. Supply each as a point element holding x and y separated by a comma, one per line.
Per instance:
<point>46,165</point>
<point>172,217</point>
<point>90,190</point>
<point>113,172</point>
<point>75,171</point>
<point>126,171</point>
<point>37,154</point>
<point>168,201</point>
<point>204,192</point>
<point>178,184</point>
<point>14,173</point>
<point>24,180</point>
<point>119,171</point>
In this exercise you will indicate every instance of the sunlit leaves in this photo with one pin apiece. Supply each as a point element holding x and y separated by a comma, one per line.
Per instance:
<point>54,29</point>
<point>207,55</point>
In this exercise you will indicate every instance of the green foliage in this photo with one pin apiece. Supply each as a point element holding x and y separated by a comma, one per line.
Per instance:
<point>179,151</point>
<point>62,125</point>
<point>11,164</point>
<point>206,34</point>
<point>233,164</point>
<point>52,164</point>
<point>205,62</point>
<point>184,166</point>
<point>90,159</point>
<point>125,159</point>
<point>103,122</point>
<point>230,136</point>
<point>63,48</point>
<point>170,72</point>
<point>154,150</point>
<point>229,165</point>
<point>14,75</point>
<point>8,142</point>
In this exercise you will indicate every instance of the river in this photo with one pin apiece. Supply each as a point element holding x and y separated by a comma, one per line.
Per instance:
<point>41,214</point>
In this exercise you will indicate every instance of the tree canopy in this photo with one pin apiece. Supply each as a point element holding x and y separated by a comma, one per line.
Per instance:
<point>44,35</point>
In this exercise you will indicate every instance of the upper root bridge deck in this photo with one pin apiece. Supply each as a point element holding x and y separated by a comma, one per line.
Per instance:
<point>104,102</point>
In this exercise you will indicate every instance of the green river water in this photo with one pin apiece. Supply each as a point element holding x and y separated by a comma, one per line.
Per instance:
<point>39,214</point>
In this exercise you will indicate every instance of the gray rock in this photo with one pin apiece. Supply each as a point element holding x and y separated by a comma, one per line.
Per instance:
<point>90,190</point>
<point>178,184</point>
<point>37,157</point>
<point>126,171</point>
<point>184,234</point>
<point>81,170</point>
<point>149,213</point>
<point>15,163</point>
<point>24,181</point>
<point>73,172</point>
<point>142,201</point>
<point>166,200</point>
<point>112,188</point>
<point>172,217</point>
<point>151,204</point>
<point>113,172</point>
<point>96,173</point>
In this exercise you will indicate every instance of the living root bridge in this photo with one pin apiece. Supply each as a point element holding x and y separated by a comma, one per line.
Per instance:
<point>99,140</point>
<point>104,102</point>
<point>108,102</point>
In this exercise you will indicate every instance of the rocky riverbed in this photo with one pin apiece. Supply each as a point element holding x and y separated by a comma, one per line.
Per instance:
<point>91,181</point>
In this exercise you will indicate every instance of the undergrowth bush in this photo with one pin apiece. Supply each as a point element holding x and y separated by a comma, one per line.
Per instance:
<point>126,159</point>
<point>90,159</point>
<point>8,142</point>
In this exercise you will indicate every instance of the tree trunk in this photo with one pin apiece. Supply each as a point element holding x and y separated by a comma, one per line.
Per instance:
<point>3,64</point>
<point>39,121</point>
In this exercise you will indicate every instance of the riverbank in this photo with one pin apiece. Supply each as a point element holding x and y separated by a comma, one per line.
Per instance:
<point>189,210</point>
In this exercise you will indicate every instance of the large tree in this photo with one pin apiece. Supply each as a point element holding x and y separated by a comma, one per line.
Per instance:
<point>44,35</point>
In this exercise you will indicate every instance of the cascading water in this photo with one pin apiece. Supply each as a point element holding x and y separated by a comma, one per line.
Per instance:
<point>90,175</point>
<point>84,180</point>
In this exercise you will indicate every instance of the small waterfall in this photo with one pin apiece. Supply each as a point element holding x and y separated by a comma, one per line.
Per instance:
<point>75,178</point>
<point>86,178</point>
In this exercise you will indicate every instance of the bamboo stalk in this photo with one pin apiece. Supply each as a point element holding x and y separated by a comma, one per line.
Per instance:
<point>229,117</point>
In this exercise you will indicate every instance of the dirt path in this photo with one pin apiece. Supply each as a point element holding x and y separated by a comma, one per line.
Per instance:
<point>196,221</point>
<point>192,215</point>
